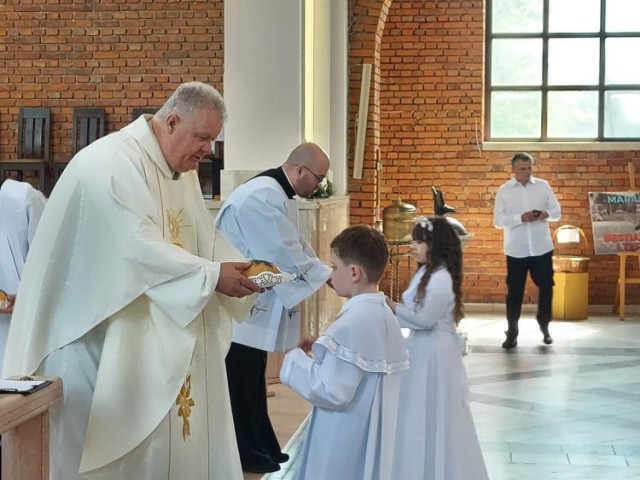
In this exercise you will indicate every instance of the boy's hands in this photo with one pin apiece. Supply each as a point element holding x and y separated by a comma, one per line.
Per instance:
<point>307,343</point>
<point>390,303</point>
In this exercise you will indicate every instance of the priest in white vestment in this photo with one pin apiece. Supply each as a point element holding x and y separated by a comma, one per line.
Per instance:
<point>260,218</point>
<point>352,380</point>
<point>21,207</point>
<point>124,297</point>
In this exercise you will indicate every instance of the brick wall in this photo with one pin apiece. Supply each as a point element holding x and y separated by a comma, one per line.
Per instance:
<point>114,54</point>
<point>430,133</point>
<point>425,116</point>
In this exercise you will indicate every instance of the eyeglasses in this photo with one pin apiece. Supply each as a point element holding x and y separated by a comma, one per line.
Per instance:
<point>319,178</point>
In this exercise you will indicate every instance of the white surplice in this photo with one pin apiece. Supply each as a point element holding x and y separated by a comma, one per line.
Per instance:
<point>436,437</point>
<point>21,207</point>
<point>353,383</point>
<point>118,299</point>
<point>262,223</point>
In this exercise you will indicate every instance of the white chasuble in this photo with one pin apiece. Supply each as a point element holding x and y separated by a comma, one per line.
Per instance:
<point>179,447</point>
<point>118,299</point>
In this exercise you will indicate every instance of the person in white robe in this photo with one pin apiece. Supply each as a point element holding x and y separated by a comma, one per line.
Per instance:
<point>21,207</point>
<point>125,297</point>
<point>436,437</point>
<point>353,378</point>
<point>260,218</point>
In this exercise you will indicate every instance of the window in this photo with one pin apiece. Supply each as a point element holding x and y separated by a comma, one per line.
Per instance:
<point>563,70</point>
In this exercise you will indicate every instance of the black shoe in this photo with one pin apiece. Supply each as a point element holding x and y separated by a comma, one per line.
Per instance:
<point>511,341</point>
<point>262,467</point>
<point>260,464</point>
<point>280,457</point>
<point>546,337</point>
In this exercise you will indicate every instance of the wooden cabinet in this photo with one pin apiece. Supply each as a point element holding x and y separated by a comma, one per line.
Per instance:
<point>320,221</point>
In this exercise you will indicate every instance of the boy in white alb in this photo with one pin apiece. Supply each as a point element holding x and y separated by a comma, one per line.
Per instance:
<point>351,379</point>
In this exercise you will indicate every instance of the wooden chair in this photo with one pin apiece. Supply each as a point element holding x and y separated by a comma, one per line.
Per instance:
<point>34,139</point>
<point>209,172</point>
<point>88,125</point>
<point>136,112</point>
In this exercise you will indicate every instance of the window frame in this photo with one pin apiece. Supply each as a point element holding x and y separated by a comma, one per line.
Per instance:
<point>601,88</point>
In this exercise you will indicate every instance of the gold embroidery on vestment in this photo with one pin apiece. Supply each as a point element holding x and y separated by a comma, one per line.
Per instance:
<point>185,402</point>
<point>175,227</point>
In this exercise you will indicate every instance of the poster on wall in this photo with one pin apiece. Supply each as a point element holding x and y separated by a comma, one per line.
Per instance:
<point>615,221</point>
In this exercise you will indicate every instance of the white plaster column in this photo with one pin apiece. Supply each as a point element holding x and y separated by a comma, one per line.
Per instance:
<point>263,86</point>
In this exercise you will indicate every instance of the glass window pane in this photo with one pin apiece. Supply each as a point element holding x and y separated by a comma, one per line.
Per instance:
<point>516,16</point>
<point>623,16</point>
<point>574,61</point>
<point>572,114</point>
<point>621,61</point>
<point>516,62</point>
<point>515,114</point>
<point>622,114</point>
<point>571,16</point>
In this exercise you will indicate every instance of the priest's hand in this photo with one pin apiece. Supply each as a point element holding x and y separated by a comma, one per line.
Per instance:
<point>233,283</point>
<point>7,305</point>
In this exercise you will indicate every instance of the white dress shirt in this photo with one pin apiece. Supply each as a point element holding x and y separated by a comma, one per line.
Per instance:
<point>525,239</point>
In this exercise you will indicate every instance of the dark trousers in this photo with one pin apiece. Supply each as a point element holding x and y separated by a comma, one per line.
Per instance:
<point>541,270</point>
<point>246,368</point>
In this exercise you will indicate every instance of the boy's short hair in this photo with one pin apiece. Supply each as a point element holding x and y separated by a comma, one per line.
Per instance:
<point>363,246</point>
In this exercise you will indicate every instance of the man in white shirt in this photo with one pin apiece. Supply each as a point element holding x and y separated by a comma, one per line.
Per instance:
<point>524,205</point>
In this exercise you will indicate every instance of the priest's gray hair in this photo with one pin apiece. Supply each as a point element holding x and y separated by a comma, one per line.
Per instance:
<point>192,96</point>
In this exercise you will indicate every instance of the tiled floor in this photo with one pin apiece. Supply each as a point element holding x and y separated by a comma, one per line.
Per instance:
<point>569,411</point>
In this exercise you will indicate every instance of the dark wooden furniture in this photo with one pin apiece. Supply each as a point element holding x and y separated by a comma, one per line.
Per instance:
<point>136,112</point>
<point>88,125</point>
<point>209,172</point>
<point>33,149</point>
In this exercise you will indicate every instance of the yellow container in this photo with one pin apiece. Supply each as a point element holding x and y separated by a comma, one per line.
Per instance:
<point>570,296</point>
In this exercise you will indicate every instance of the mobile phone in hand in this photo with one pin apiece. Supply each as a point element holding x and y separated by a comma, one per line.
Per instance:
<point>537,213</point>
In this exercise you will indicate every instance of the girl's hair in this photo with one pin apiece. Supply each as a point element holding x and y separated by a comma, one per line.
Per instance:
<point>443,250</point>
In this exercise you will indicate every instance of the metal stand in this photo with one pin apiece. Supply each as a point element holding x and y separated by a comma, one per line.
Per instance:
<point>398,252</point>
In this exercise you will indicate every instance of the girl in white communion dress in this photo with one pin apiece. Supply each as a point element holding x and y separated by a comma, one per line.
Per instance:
<point>435,437</point>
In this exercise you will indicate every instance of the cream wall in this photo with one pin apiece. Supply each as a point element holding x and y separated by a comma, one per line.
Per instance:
<point>264,84</point>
